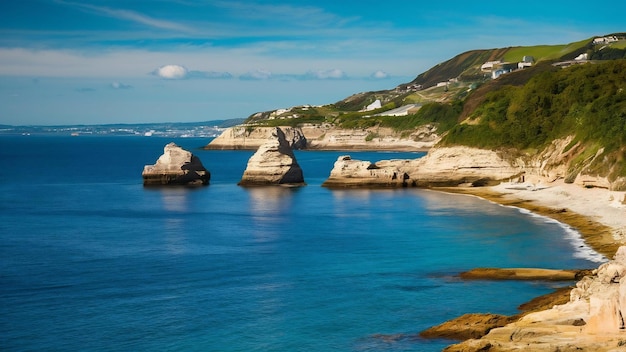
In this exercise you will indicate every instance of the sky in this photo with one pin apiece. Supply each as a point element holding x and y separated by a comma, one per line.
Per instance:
<point>139,61</point>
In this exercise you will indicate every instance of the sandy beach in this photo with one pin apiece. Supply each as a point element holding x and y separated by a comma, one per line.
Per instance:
<point>599,215</point>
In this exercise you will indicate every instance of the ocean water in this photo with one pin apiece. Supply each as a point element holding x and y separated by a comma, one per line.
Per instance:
<point>90,260</point>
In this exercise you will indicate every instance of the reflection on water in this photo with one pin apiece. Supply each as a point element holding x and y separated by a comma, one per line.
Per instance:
<point>268,208</point>
<point>175,199</point>
<point>270,200</point>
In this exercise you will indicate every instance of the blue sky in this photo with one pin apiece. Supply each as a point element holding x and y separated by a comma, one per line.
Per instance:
<point>134,61</point>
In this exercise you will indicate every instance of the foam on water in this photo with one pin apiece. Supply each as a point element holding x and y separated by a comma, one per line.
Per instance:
<point>581,249</point>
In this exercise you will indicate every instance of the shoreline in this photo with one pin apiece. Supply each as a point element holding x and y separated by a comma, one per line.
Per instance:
<point>599,217</point>
<point>596,215</point>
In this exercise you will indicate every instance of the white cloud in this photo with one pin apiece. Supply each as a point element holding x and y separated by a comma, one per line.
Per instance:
<point>256,75</point>
<point>209,75</point>
<point>380,74</point>
<point>171,72</point>
<point>327,74</point>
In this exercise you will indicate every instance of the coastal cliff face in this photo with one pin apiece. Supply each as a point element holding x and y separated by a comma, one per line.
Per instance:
<point>328,137</point>
<point>572,162</point>
<point>251,138</point>
<point>592,320</point>
<point>449,166</point>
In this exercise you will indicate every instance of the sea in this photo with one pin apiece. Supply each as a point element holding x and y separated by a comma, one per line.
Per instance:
<point>90,260</point>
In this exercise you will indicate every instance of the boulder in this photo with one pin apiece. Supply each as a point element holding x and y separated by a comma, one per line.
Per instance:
<point>176,167</point>
<point>274,163</point>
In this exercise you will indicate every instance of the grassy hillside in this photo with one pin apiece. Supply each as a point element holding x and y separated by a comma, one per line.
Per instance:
<point>585,101</point>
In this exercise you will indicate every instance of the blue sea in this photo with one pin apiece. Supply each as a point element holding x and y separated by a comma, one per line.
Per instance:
<point>90,260</point>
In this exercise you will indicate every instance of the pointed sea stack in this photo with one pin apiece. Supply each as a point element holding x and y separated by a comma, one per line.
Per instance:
<point>274,163</point>
<point>176,167</point>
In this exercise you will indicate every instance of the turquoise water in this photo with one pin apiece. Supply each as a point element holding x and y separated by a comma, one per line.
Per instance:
<point>92,260</point>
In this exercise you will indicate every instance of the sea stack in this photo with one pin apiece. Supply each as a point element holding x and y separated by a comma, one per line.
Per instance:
<point>274,163</point>
<point>176,167</point>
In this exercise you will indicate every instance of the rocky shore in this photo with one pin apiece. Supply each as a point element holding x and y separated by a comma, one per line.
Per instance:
<point>588,317</point>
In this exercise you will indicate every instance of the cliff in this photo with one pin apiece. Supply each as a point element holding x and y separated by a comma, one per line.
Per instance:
<point>328,137</point>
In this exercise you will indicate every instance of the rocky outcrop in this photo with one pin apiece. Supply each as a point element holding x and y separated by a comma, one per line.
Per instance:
<point>274,163</point>
<point>176,167</point>
<point>440,167</point>
<point>251,138</point>
<point>592,320</point>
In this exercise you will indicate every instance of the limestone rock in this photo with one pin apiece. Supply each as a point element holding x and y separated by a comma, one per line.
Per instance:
<point>355,173</point>
<point>329,137</point>
<point>449,166</point>
<point>176,167</point>
<point>592,320</point>
<point>243,137</point>
<point>274,163</point>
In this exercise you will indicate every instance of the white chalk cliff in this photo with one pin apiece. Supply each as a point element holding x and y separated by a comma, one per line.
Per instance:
<point>328,137</point>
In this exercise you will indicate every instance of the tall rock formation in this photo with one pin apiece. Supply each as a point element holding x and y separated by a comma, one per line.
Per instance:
<point>176,167</point>
<point>274,163</point>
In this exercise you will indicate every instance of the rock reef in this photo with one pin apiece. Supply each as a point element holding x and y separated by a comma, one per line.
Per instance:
<point>274,163</point>
<point>176,167</point>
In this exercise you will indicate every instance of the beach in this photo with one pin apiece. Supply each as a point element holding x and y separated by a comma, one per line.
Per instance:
<point>599,215</point>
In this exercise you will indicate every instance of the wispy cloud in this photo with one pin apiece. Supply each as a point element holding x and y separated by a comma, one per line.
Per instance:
<point>258,74</point>
<point>300,16</point>
<point>119,85</point>
<point>129,15</point>
<point>327,74</point>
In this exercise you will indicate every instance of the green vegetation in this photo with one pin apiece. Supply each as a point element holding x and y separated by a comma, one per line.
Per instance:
<point>445,116</point>
<point>540,52</point>
<point>587,101</point>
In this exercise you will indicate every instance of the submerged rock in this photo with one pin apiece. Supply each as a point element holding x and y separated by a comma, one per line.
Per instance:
<point>274,163</point>
<point>176,167</point>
